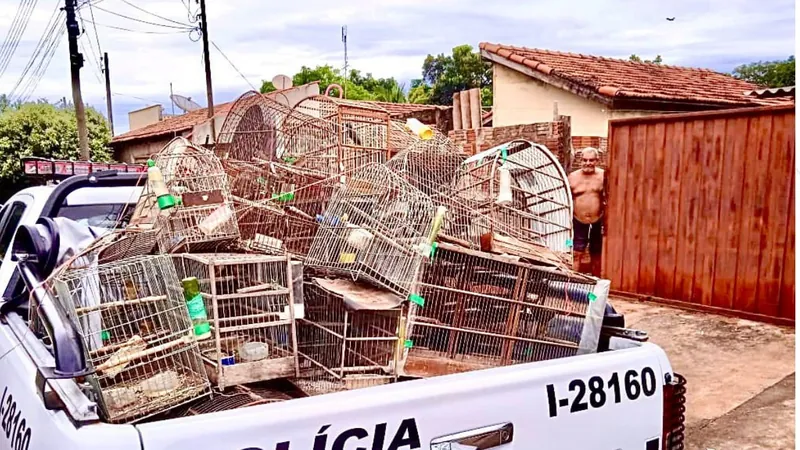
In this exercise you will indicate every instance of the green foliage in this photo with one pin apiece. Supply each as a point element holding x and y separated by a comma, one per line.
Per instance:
<point>448,74</point>
<point>44,130</point>
<point>420,92</point>
<point>768,73</point>
<point>636,58</point>
<point>358,86</point>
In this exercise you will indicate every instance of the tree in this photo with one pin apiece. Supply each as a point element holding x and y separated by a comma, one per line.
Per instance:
<point>357,86</point>
<point>44,130</point>
<point>768,73</point>
<point>464,69</point>
<point>636,58</point>
<point>420,92</point>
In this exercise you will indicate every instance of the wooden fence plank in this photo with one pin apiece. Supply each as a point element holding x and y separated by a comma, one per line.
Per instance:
<point>689,205</point>
<point>708,217</point>
<point>634,200</point>
<point>670,209</point>
<point>757,163</point>
<point>613,244</point>
<point>653,182</point>
<point>775,217</point>
<point>787,307</point>
<point>730,212</point>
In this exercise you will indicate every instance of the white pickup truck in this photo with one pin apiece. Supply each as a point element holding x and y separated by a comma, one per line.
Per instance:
<point>624,397</point>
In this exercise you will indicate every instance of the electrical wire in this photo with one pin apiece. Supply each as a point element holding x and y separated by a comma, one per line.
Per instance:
<point>136,31</point>
<point>15,32</point>
<point>97,38</point>
<point>44,62</point>
<point>43,42</point>
<point>233,65</point>
<point>192,16</point>
<point>95,57</point>
<point>183,27</point>
<point>154,14</point>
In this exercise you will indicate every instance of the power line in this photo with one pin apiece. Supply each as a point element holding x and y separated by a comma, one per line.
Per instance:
<point>44,63</point>
<point>233,65</point>
<point>43,41</point>
<point>97,38</point>
<point>183,27</point>
<point>154,14</point>
<point>136,31</point>
<point>15,32</point>
<point>91,48</point>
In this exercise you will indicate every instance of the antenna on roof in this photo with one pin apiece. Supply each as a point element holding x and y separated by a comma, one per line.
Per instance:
<point>184,103</point>
<point>344,41</point>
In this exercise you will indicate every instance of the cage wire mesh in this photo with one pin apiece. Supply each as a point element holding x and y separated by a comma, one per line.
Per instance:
<point>350,337</point>
<point>249,303</point>
<point>521,187</point>
<point>137,333</point>
<point>362,134</point>
<point>276,206</point>
<point>376,227</point>
<point>482,310</point>
<point>204,217</point>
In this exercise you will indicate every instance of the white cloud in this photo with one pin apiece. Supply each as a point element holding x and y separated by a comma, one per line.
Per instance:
<point>386,38</point>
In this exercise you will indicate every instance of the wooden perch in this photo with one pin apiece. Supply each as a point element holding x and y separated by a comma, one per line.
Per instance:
<point>497,243</point>
<point>121,359</point>
<point>116,304</point>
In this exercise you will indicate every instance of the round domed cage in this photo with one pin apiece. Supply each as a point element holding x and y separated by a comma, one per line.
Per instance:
<point>204,216</point>
<point>522,190</point>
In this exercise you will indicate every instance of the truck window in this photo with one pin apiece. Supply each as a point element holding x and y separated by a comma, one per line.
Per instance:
<point>10,216</point>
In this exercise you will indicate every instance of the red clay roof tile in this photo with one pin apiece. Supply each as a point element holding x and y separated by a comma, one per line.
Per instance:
<point>621,78</point>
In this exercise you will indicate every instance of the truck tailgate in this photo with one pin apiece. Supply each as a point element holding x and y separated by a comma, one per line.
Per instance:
<point>605,401</point>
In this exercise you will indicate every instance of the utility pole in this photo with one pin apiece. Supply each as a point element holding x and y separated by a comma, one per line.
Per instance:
<point>209,91</point>
<point>344,41</point>
<point>76,62</point>
<point>108,92</point>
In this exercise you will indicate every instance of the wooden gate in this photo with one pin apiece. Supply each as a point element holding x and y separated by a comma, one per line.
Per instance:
<point>701,210</point>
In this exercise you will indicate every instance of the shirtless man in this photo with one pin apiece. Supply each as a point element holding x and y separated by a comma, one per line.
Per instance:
<point>589,200</point>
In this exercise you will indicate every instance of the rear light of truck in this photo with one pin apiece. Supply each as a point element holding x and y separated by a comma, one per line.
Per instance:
<point>674,409</point>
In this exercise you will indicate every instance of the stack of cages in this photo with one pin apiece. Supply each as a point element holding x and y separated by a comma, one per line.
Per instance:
<point>203,218</point>
<point>362,134</point>
<point>521,197</point>
<point>481,310</point>
<point>250,307</point>
<point>377,227</point>
<point>351,336</point>
<point>276,207</point>
<point>137,333</point>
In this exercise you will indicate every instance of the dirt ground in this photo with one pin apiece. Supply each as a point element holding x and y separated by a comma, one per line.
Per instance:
<point>740,375</point>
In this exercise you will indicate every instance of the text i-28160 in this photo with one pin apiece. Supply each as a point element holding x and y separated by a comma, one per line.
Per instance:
<point>598,391</point>
<point>13,425</point>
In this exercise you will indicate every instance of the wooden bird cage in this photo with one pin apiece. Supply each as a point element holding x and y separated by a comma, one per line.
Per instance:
<point>250,304</point>
<point>377,227</point>
<point>136,329</point>
<point>350,336</point>
<point>523,190</point>
<point>204,218</point>
<point>480,310</point>
<point>362,134</point>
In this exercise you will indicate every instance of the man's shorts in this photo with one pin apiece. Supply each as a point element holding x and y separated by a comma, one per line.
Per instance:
<point>588,235</point>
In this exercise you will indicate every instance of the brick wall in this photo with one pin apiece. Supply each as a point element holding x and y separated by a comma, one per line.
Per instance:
<point>581,142</point>
<point>553,135</point>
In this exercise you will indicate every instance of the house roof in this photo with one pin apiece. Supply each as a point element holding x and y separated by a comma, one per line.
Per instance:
<point>784,91</point>
<point>609,78</point>
<point>185,122</point>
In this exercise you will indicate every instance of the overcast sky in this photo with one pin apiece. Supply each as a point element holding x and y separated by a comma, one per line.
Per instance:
<point>387,38</point>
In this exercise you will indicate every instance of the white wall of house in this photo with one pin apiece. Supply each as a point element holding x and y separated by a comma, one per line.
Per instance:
<point>520,99</point>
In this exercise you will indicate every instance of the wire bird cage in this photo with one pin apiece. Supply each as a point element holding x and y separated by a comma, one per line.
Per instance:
<point>522,191</point>
<point>350,337</point>
<point>204,218</point>
<point>259,129</point>
<point>362,134</point>
<point>481,310</point>
<point>376,227</point>
<point>428,165</point>
<point>276,206</point>
<point>137,333</point>
<point>249,301</point>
